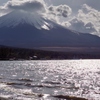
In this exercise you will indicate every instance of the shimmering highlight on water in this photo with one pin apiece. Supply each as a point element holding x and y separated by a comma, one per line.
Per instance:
<point>45,80</point>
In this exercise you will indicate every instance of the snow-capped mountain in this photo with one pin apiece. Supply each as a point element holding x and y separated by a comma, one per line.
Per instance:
<point>15,18</point>
<point>21,29</point>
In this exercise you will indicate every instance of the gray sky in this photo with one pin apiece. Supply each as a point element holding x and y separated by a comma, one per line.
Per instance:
<point>3,1</point>
<point>74,4</point>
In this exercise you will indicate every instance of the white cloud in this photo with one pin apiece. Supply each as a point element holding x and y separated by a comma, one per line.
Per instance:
<point>61,10</point>
<point>87,21</point>
<point>79,25</point>
<point>26,5</point>
<point>3,10</point>
<point>54,13</point>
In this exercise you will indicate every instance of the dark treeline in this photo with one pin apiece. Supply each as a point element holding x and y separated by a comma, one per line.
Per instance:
<point>8,53</point>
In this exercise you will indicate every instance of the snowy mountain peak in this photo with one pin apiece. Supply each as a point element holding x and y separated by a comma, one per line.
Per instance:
<point>29,30</point>
<point>21,17</point>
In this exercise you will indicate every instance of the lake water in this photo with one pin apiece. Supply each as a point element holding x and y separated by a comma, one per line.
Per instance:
<point>50,80</point>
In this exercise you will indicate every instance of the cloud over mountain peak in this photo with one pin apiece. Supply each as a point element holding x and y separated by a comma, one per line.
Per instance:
<point>86,20</point>
<point>26,5</point>
<point>36,6</point>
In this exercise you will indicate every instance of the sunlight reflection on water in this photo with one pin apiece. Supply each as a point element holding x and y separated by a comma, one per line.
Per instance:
<point>32,79</point>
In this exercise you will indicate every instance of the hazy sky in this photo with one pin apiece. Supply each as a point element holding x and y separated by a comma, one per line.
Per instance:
<point>76,4</point>
<point>72,3</point>
<point>80,15</point>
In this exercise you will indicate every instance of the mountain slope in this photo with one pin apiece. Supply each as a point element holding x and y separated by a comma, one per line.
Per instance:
<point>19,29</point>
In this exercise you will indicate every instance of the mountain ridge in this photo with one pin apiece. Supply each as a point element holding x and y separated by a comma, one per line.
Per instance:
<point>42,33</point>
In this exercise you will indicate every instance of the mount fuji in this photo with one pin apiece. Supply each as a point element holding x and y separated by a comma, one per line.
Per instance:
<point>24,30</point>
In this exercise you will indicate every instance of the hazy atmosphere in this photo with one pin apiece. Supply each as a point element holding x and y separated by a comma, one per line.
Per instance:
<point>49,49</point>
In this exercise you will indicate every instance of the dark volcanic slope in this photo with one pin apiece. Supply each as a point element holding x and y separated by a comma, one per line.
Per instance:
<point>21,32</point>
<point>27,36</point>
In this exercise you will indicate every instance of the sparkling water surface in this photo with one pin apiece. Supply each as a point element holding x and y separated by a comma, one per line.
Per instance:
<point>45,80</point>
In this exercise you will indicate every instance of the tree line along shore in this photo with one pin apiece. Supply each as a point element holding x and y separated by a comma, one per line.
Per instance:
<point>11,53</point>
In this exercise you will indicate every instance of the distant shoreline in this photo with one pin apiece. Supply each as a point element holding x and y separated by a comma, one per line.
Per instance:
<point>72,53</point>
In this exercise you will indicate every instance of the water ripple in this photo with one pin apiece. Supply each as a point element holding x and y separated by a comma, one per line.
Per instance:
<point>50,80</point>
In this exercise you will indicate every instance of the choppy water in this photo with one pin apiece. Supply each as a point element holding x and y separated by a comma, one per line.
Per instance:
<point>50,80</point>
